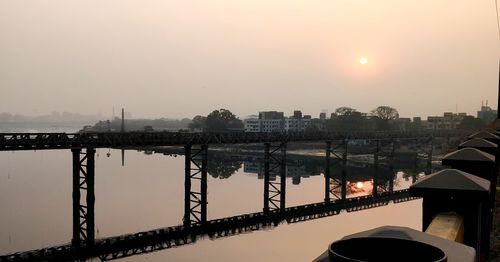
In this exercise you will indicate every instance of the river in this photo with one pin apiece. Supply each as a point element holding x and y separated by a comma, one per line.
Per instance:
<point>148,193</point>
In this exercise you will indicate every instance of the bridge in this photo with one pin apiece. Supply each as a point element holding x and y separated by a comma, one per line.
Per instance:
<point>195,224</point>
<point>40,141</point>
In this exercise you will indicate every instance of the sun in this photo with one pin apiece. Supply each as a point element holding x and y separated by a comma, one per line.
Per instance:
<point>363,60</point>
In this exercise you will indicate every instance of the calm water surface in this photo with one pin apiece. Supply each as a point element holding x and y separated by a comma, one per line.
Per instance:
<point>148,193</point>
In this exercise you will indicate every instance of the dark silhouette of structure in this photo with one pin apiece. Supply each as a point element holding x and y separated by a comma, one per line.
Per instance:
<point>195,223</point>
<point>39,141</point>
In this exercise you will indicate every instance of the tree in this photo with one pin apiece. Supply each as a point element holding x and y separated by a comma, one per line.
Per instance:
<point>382,116</point>
<point>385,113</point>
<point>198,122</point>
<point>222,165</point>
<point>222,120</point>
<point>345,111</point>
<point>346,119</point>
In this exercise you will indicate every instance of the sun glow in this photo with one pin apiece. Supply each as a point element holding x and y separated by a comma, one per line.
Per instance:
<point>363,60</point>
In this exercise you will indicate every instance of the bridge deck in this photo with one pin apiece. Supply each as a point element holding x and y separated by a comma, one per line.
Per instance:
<point>40,141</point>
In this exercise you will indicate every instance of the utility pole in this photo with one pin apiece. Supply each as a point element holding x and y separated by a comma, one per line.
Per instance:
<point>123,120</point>
<point>498,105</point>
<point>123,130</point>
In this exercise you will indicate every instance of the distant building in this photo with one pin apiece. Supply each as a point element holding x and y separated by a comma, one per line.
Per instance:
<point>271,125</point>
<point>297,122</point>
<point>297,114</point>
<point>252,125</point>
<point>271,115</point>
<point>294,171</point>
<point>417,123</point>
<point>273,121</point>
<point>293,124</point>
<point>486,113</point>
<point>306,122</point>
<point>403,124</point>
<point>446,122</point>
<point>268,121</point>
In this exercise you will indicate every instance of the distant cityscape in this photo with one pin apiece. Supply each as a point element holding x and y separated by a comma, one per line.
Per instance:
<point>274,121</point>
<point>264,121</point>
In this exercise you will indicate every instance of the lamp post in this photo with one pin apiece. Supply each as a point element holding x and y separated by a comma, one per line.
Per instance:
<point>498,105</point>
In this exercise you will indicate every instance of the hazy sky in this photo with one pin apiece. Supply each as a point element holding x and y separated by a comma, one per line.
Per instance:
<point>182,58</point>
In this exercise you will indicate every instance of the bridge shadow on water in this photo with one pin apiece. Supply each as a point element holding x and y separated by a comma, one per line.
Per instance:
<point>164,238</point>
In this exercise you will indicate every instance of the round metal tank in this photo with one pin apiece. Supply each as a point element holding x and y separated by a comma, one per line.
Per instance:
<point>368,249</point>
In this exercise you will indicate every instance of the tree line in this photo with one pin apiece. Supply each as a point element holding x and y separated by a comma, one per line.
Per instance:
<point>343,119</point>
<point>221,120</point>
<point>349,119</point>
<point>384,118</point>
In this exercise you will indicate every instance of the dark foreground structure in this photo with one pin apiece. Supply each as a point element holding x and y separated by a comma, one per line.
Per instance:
<point>458,206</point>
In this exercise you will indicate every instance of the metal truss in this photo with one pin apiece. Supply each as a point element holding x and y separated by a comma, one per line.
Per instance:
<point>83,186</point>
<point>335,189</point>
<point>40,141</point>
<point>384,148</point>
<point>388,186</point>
<point>274,163</point>
<point>195,199</point>
<point>423,148</point>
<point>340,145</point>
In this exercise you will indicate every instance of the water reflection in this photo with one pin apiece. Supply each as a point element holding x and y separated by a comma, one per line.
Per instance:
<point>359,179</point>
<point>223,165</point>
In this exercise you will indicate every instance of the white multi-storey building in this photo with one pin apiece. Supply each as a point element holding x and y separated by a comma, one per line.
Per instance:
<point>297,125</point>
<point>263,125</point>
<point>272,121</point>
<point>305,123</point>
<point>252,125</point>
<point>271,125</point>
<point>447,121</point>
<point>293,124</point>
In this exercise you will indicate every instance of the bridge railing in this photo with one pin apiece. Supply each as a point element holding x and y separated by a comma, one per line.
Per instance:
<point>32,141</point>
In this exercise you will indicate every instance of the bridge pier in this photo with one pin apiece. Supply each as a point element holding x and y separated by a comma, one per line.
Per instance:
<point>332,185</point>
<point>83,181</point>
<point>337,188</point>
<point>274,161</point>
<point>391,178</point>
<point>344,154</point>
<point>327,170</point>
<point>375,182</point>
<point>429,154</point>
<point>415,150</point>
<point>393,149</point>
<point>415,173</point>
<point>195,200</point>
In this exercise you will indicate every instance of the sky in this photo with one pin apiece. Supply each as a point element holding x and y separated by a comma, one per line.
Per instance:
<point>176,59</point>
